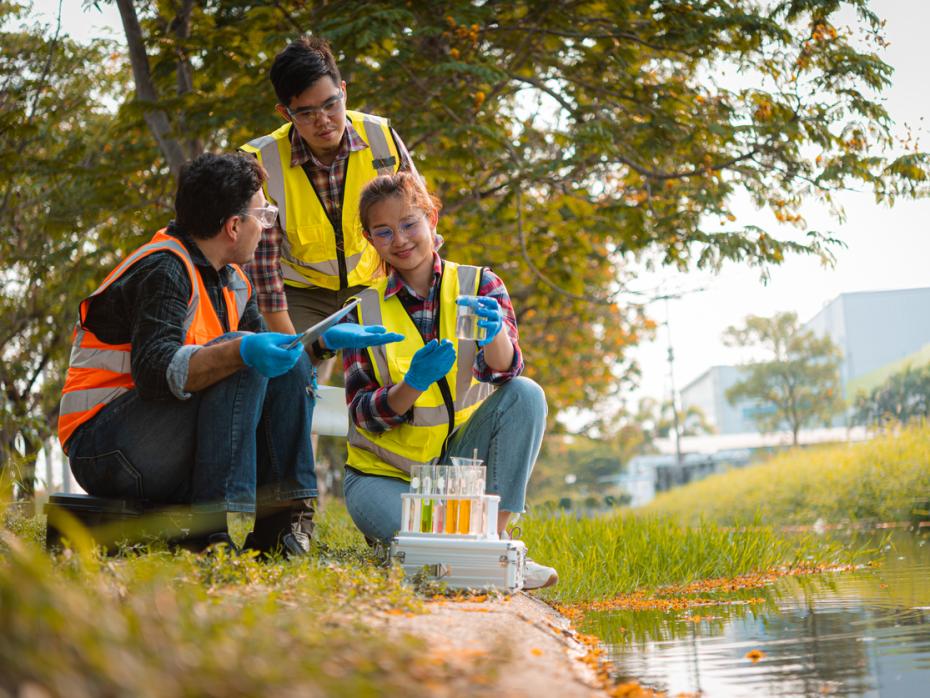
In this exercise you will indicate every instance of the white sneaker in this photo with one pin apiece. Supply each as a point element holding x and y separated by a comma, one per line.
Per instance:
<point>538,576</point>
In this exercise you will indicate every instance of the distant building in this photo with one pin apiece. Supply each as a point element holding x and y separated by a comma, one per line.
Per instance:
<point>647,475</point>
<point>878,332</point>
<point>875,330</point>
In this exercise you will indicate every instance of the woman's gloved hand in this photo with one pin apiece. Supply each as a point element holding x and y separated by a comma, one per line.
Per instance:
<point>430,363</point>
<point>489,310</point>
<point>349,335</point>
<point>265,352</point>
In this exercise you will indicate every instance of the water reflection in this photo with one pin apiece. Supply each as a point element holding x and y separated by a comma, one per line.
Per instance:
<point>864,633</point>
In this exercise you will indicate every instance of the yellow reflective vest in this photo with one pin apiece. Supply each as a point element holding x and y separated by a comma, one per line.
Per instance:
<point>440,410</point>
<point>310,255</point>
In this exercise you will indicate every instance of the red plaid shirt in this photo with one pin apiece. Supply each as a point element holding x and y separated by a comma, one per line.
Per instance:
<point>368,398</point>
<point>329,183</point>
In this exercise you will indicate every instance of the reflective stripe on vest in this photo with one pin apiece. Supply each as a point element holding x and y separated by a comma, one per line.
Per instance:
<point>308,246</point>
<point>420,440</point>
<point>98,372</point>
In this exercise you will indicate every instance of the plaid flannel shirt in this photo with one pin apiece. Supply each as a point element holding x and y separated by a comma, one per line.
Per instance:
<point>329,183</point>
<point>368,404</point>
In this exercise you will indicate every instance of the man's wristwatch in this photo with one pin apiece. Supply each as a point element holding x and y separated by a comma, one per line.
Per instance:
<point>320,352</point>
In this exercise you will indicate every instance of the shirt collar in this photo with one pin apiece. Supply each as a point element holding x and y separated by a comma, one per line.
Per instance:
<point>197,257</point>
<point>395,282</point>
<point>301,153</point>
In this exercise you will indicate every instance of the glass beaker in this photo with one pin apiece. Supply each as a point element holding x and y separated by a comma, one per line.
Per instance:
<point>466,320</point>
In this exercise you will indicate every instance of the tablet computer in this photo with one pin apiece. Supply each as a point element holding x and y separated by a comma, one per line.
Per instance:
<point>314,332</point>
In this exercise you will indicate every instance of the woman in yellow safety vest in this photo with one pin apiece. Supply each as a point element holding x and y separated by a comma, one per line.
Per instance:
<point>433,396</point>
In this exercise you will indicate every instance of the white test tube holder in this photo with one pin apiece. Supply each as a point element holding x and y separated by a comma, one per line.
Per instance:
<point>483,523</point>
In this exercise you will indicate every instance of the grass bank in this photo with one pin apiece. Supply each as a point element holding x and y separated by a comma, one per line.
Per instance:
<point>884,479</point>
<point>602,557</point>
<point>159,624</point>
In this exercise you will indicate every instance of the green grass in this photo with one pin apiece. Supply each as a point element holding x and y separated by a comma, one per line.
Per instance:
<point>604,556</point>
<point>884,479</point>
<point>152,623</point>
<point>160,624</point>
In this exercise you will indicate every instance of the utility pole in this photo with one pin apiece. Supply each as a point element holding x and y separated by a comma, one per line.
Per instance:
<point>676,423</point>
<point>671,379</point>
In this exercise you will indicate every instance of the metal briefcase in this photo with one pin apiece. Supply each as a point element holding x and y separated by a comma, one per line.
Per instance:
<point>463,562</point>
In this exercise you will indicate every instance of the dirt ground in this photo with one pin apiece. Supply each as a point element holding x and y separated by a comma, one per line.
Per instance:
<point>509,647</point>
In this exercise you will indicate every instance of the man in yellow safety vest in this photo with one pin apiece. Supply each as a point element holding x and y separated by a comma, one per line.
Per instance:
<point>318,162</point>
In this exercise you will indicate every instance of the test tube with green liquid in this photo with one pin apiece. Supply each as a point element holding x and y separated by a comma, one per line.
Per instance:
<point>426,519</point>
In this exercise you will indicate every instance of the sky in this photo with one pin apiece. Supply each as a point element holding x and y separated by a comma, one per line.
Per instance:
<point>887,248</point>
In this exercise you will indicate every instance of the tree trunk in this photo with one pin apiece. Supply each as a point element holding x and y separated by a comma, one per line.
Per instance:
<point>155,118</point>
<point>185,78</point>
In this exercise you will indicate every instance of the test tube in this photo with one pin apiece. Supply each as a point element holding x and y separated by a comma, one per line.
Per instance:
<point>466,478</point>
<point>439,505</point>
<point>405,512</point>
<point>426,518</point>
<point>416,502</point>
<point>452,504</point>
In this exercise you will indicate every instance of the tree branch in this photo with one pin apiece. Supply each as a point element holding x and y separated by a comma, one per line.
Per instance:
<point>146,94</point>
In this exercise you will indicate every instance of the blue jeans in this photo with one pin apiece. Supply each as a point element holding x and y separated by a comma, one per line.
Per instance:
<point>241,441</point>
<point>507,431</point>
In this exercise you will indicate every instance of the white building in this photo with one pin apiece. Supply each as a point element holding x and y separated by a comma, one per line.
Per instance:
<point>878,332</point>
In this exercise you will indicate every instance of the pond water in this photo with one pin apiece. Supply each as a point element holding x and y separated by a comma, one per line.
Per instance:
<point>861,633</point>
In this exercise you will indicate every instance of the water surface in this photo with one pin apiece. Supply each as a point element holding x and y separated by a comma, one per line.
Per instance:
<point>862,633</point>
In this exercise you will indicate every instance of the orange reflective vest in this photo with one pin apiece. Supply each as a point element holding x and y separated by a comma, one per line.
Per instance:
<point>98,372</point>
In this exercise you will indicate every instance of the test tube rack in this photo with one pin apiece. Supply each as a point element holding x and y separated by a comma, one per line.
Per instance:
<point>470,517</point>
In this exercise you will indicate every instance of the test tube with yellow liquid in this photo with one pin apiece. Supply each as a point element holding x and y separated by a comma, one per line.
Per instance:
<point>470,473</point>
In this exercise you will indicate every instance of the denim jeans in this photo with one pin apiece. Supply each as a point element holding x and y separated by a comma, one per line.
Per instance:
<point>243,440</point>
<point>507,431</point>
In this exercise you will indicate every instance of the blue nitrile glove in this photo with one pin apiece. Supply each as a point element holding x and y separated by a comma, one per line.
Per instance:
<point>265,352</point>
<point>349,335</point>
<point>430,363</point>
<point>489,310</point>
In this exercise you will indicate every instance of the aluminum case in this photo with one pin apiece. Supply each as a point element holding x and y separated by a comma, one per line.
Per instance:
<point>462,562</point>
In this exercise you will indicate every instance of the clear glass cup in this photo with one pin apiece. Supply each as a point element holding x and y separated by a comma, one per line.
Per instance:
<point>466,322</point>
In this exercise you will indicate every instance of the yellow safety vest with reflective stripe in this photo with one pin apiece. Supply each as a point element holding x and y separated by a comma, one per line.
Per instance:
<point>423,438</point>
<point>309,256</point>
<point>99,372</point>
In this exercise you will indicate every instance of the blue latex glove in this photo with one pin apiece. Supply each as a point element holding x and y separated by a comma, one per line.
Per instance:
<point>430,363</point>
<point>265,352</point>
<point>489,310</point>
<point>349,335</point>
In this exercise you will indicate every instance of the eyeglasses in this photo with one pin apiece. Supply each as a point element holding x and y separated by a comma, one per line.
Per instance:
<point>307,115</point>
<point>265,216</point>
<point>383,236</point>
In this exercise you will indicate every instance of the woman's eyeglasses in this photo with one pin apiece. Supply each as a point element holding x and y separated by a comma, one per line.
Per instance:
<point>383,235</point>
